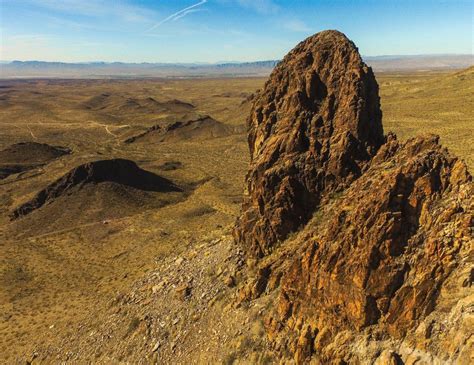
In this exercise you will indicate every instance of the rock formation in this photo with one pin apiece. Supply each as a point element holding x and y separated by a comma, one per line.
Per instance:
<point>382,254</point>
<point>123,172</point>
<point>312,130</point>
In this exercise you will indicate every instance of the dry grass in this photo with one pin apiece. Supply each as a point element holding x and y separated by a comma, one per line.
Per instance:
<point>51,279</point>
<point>432,103</point>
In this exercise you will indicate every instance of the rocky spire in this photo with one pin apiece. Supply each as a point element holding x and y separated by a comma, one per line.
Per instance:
<point>311,131</point>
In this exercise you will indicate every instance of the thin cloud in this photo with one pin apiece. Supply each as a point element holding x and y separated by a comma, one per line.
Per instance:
<point>179,14</point>
<point>122,10</point>
<point>120,17</point>
<point>296,25</point>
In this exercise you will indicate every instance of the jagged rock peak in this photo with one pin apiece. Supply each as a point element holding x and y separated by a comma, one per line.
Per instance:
<point>311,131</point>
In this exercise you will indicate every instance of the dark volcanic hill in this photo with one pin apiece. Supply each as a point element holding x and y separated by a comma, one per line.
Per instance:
<point>195,129</point>
<point>24,156</point>
<point>112,103</point>
<point>382,251</point>
<point>99,190</point>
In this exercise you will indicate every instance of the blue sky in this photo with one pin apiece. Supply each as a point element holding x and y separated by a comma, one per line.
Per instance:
<point>224,30</point>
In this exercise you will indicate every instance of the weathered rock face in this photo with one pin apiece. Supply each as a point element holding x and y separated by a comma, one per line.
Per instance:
<point>377,271</point>
<point>312,130</point>
<point>383,253</point>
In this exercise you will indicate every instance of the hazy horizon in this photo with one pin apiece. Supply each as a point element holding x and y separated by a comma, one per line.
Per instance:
<point>197,62</point>
<point>224,31</point>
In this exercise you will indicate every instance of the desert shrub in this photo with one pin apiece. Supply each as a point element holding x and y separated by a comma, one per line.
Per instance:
<point>199,211</point>
<point>170,166</point>
<point>229,359</point>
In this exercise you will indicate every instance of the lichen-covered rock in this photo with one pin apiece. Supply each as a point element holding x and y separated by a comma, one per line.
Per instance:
<point>312,130</point>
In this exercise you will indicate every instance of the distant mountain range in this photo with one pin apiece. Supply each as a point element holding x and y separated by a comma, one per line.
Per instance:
<point>35,69</point>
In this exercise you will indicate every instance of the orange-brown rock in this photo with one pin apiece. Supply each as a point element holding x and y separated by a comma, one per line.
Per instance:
<point>384,251</point>
<point>312,130</point>
<point>379,272</point>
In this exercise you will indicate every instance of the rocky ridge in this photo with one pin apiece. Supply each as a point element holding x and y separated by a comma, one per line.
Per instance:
<point>196,128</point>
<point>382,256</point>
<point>114,103</point>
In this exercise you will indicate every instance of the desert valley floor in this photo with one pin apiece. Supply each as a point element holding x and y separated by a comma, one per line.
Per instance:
<point>109,250</point>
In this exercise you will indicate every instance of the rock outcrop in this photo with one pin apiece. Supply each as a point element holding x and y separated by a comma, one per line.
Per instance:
<point>120,171</point>
<point>382,253</point>
<point>312,130</point>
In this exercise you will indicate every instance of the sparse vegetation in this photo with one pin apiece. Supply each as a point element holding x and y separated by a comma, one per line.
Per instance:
<point>65,273</point>
<point>170,166</point>
<point>199,211</point>
<point>134,323</point>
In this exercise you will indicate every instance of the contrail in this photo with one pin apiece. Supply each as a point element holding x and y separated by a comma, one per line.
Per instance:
<point>178,14</point>
<point>186,13</point>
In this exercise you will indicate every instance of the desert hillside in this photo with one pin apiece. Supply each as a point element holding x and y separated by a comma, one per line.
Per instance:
<point>322,215</point>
